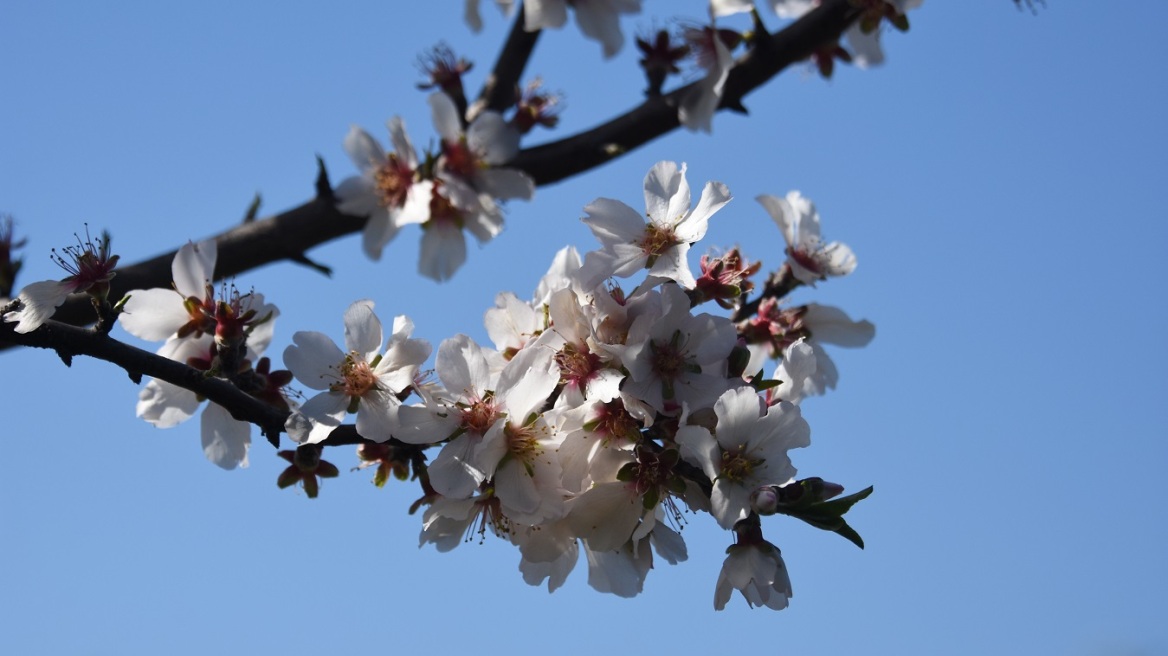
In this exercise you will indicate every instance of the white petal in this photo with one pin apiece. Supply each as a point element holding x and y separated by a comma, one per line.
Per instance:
<point>377,418</point>
<point>165,405</point>
<point>363,149</point>
<point>666,193</point>
<point>443,251</point>
<point>447,123</point>
<point>194,268</point>
<point>491,138</point>
<point>313,358</point>
<point>362,330</point>
<point>541,14</point>
<point>153,314</point>
<point>225,440</point>
<point>40,301</point>
<point>506,184</point>
<point>832,325</point>
<point>782,213</point>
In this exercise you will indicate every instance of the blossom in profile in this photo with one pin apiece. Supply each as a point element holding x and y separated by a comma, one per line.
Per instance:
<point>389,190</point>
<point>599,20</point>
<point>756,569</point>
<point>629,243</point>
<point>810,259</point>
<point>359,379</point>
<point>90,267</point>
<point>711,48</point>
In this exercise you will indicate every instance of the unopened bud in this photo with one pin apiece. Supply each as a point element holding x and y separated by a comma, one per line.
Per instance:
<point>765,500</point>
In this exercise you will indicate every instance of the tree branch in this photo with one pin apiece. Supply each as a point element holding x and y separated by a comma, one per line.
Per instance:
<point>498,92</point>
<point>286,236</point>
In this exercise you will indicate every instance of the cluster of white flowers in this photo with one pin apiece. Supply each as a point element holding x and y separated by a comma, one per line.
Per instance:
<point>446,192</point>
<point>599,414</point>
<point>595,415</point>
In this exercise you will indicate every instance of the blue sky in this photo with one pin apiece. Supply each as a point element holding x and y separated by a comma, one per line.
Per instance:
<point>1000,180</point>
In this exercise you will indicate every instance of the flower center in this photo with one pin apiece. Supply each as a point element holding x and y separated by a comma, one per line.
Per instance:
<point>460,160</point>
<point>480,415</point>
<point>737,466</point>
<point>523,442</point>
<point>393,181</point>
<point>656,240</point>
<point>357,377</point>
<point>577,364</point>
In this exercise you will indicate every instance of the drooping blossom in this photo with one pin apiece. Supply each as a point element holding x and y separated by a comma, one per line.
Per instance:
<point>360,379</point>
<point>810,259</point>
<point>711,48</point>
<point>756,569</point>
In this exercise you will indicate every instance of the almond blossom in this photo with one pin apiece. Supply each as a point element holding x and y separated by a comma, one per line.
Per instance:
<point>810,259</point>
<point>747,450</point>
<point>360,379</point>
<point>756,569</point>
<point>209,333</point>
<point>90,267</point>
<point>389,190</point>
<point>629,244</point>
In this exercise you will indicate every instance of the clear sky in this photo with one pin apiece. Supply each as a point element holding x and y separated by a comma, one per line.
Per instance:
<point>1001,180</point>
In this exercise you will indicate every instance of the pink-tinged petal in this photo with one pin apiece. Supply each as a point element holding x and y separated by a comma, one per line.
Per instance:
<point>506,184</point>
<point>492,138</point>
<point>362,330</point>
<point>225,440</point>
<point>40,301</point>
<point>153,314</point>
<point>194,268</point>
<point>782,213</point>
<point>832,325</point>
<point>698,447</point>
<point>447,122</point>
<point>313,358</point>
<point>541,14</point>
<point>666,193</point>
<point>366,153</point>
<point>377,417</point>
<point>463,368</point>
<point>443,251</point>
<point>314,421</point>
<point>165,405</point>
